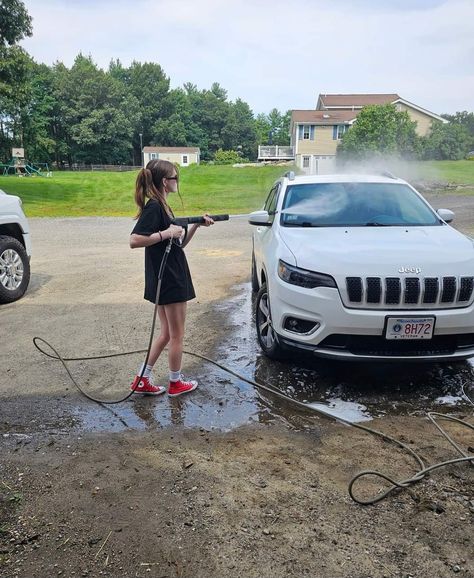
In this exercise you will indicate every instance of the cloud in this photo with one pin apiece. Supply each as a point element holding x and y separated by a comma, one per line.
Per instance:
<point>273,53</point>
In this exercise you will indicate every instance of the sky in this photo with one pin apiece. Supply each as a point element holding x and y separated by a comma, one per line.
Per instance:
<point>275,53</point>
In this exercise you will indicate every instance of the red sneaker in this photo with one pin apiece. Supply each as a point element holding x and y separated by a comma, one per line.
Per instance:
<point>179,387</point>
<point>146,386</point>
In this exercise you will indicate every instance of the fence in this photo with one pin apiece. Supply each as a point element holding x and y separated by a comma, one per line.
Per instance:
<point>111,168</point>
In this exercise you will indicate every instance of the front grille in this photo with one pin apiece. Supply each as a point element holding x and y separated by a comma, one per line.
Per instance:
<point>409,292</point>
<point>378,345</point>
<point>393,292</point>
<point>431,291</point>
<point>449,289</point>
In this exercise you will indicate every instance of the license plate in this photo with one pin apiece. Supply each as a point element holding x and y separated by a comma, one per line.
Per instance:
<point>409,328</point>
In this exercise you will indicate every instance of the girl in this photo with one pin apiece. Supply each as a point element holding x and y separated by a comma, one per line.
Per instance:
<point>153,231</point>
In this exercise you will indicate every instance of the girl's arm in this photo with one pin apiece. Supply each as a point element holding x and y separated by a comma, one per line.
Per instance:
<point>193,228</point>
<point>173,231</point>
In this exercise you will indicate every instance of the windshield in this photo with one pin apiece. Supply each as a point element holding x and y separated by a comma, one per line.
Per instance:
<point>354,204</point>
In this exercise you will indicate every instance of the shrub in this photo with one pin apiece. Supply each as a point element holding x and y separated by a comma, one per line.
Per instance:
<point>231,157</point>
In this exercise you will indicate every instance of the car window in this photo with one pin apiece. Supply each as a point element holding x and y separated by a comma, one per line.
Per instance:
<point>271,202</point>
<point>355,204</point>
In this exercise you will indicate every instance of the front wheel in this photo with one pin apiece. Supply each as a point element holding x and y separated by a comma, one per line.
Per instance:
<point>14,269</point>
<point>266,335</point>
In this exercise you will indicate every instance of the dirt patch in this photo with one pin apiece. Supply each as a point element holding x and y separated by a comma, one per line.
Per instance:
<point>258,501</point>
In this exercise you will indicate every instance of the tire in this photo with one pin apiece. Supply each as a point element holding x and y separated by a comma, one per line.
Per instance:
<point>266,335</point>
<point>14,269</point>
<point>254,276</point>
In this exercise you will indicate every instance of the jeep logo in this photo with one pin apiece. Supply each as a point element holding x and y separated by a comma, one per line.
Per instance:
<point>416,270</point>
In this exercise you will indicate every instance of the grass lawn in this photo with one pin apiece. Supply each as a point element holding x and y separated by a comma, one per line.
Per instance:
<point>458,172</point>
<point>216,189</point>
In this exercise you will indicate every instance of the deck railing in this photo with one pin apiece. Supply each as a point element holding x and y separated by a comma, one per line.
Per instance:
<point>275,152</point>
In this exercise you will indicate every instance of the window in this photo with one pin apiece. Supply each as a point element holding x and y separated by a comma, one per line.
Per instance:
<point>272,199</point>
<point>306,132</point>
<point>184,160</point>
<point>341,129</point>
<point>306,162</point>
<point>338,131</point>
<point>153,156</point>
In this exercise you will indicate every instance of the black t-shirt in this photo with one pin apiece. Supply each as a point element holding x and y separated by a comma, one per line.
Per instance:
<point>176,285</point>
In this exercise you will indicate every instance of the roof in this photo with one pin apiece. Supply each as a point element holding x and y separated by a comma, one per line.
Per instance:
<point>171,150</point>
<point>324,117</point>
<point>354,100</point>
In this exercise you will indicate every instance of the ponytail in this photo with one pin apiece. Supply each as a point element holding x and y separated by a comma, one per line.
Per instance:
<point>148,185</point>
<point>143,185</point>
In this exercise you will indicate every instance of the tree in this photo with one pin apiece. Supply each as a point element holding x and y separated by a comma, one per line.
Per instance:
<point>380,130</point>
<point>208,115</point>
<point>38,115</point>
<point>15,22</point>
<point>273,128</point>
<point>149,86</point>
<point>15,66</point>
<point>465,119</point>
<point>446,142</point>
<point>97,115</point>
<point>239,132</point>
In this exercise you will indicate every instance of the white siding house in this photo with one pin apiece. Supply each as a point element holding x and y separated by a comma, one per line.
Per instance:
<point>184,156</point>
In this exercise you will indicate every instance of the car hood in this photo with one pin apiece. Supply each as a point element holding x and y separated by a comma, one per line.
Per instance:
<point>381,251</point>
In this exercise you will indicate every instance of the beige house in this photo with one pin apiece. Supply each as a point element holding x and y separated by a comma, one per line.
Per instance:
<point>315,134</point>
<point>184,156</point>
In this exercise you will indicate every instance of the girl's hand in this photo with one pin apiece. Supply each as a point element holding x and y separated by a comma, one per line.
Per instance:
<point>207,220</point>
<point>175,231</point>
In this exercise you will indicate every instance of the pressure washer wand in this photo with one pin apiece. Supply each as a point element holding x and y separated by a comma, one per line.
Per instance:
<point>185,221</point>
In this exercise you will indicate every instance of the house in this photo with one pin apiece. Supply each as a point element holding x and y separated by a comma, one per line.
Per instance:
<point>184,156</point>
<point>315,134</point>
<point>355,102</point>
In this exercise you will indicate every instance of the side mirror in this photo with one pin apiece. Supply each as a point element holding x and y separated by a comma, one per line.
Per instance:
<point>260,218</point>
<point>446,214</point>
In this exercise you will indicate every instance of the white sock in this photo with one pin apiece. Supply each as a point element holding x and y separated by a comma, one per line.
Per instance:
<point>175,375</point>
<point>148,370</point>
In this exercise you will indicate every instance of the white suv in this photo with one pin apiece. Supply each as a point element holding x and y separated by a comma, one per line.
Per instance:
<point>15,249</point>
<point>360,268</point>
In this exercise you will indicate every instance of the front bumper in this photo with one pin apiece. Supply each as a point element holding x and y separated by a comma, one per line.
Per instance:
<point>357,334</point>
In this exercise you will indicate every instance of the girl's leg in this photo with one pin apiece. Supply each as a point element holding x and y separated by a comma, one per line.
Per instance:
<point>162,340</point>
<point>176,315</point>
<point>176,318</point>
<point>145,385</point>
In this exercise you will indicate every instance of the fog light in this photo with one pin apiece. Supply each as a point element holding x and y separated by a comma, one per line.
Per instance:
<point>296,325</point>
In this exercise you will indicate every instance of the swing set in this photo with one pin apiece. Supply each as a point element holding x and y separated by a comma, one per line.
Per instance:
<point>21,167</point>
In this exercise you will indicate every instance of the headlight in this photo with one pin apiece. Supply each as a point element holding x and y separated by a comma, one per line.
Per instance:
<point>303,278</point>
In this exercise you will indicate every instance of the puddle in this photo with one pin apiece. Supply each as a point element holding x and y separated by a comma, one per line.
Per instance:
<point>355,392</point>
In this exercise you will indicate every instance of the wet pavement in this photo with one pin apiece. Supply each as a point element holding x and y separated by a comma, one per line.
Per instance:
<point>37,397</point>
<point>355,392</point>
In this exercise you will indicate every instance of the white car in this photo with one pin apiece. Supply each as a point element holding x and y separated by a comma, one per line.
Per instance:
<point>15,249</point>
<point>360,268</point>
